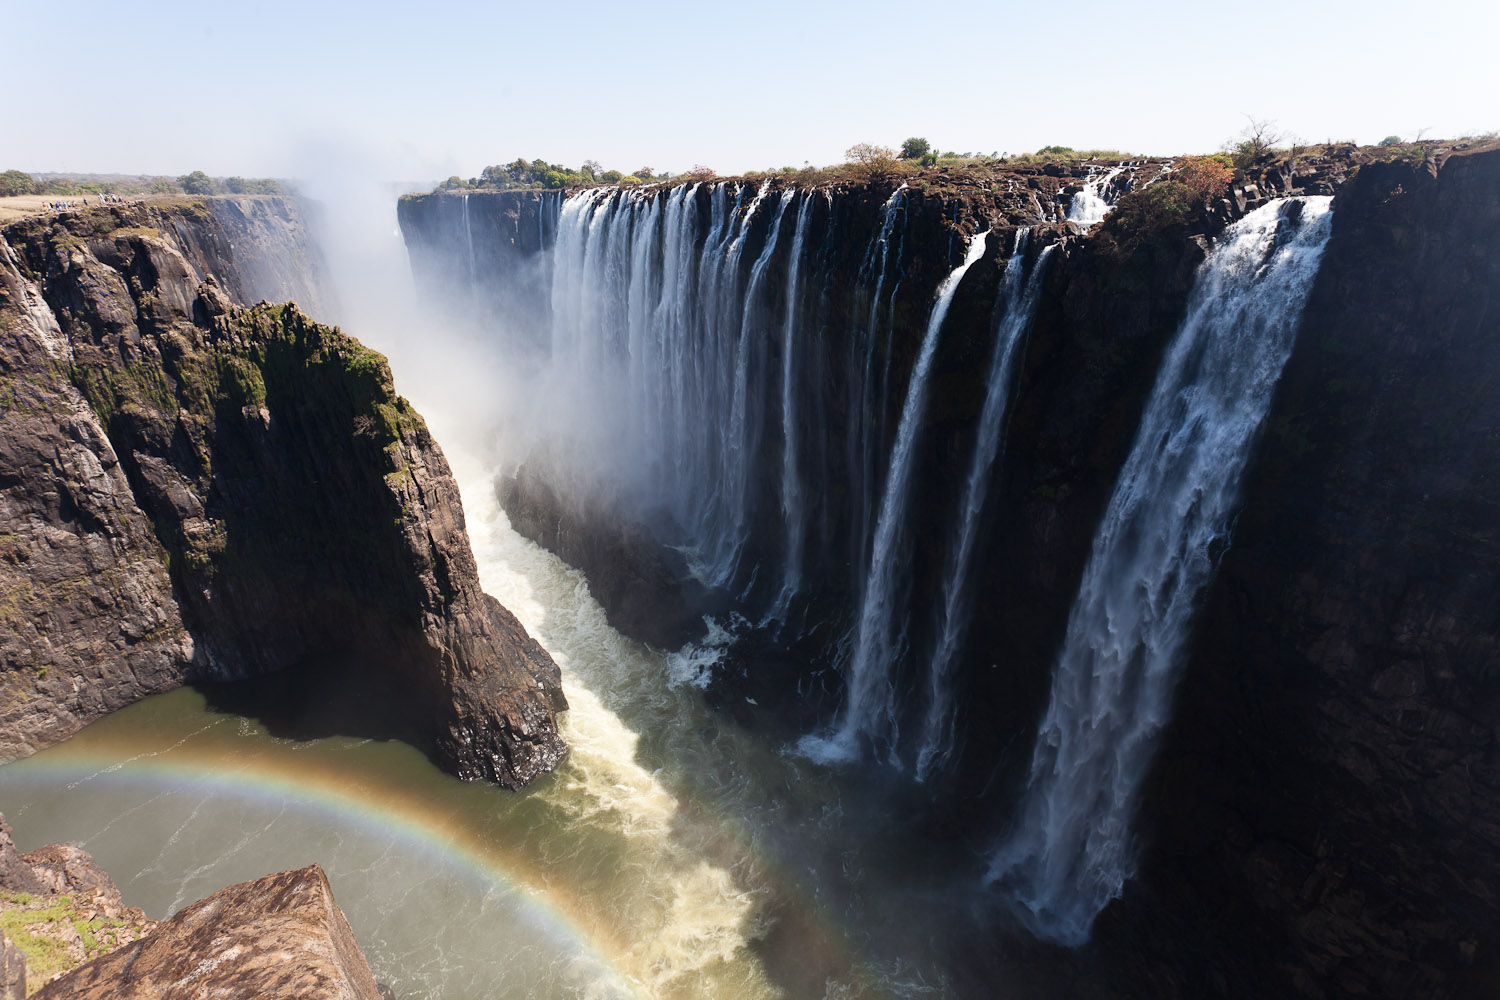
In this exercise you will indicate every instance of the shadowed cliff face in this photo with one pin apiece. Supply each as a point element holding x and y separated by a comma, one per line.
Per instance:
<point>302,518</point>
<point>1330,777</point>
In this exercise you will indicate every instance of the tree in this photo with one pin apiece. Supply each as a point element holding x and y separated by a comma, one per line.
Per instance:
<point>644,173</point>
<point>1253,146</point>
<point>699,172</point>
<point>235,185</point>
<point>872,163</point>
<point>611,176</point>
<point>915,149</point>
<point>1391,140</point>
<point>196,182</point>
<point>14,182</point>
<point>453,183</point>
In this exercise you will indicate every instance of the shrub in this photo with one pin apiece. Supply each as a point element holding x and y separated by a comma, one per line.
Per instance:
<point>1149,215</point>
<point>1390,140</point>
<point>699,172</point>
<point>1207,177</point>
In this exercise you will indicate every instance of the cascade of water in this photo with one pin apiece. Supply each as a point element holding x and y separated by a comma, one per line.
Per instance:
<point>869,708</point>
<point>1089,206</point>
<point>469,236</point>
<point>864,432</point>
<point>744,427</point>
<point>936,742</point>
<point>1071,850</point>
<point>791,486</point>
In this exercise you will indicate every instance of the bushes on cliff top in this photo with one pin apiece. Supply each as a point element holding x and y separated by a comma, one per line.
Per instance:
<point>14,182</point>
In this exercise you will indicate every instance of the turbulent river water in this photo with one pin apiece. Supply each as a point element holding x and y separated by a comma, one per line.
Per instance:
<point>674,855</point>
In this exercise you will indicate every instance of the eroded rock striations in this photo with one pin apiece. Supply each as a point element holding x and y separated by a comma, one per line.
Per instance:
<point>196,490</point>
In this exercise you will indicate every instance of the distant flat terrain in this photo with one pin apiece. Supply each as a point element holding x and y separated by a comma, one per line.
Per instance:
<point>18,206</point>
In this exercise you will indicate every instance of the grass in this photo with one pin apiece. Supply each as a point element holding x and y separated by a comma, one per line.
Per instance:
<point>36,926</point>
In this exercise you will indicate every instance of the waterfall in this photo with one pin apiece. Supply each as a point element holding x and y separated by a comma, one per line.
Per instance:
<point>1089,206</point>
<point>870,707</point>
<point>936,742</point>
<point>744,425</point>
<point>1071,850</point>
<point>791,486</point>
<point>865,432</point>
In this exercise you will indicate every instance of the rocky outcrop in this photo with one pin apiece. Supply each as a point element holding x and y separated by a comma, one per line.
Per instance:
<point>645,589</point>
<point>210,492</point>
<point>281,937</point>
<point>62,909</point>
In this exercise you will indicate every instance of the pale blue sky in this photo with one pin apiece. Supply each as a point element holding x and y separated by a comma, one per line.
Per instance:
<point>421,91</point>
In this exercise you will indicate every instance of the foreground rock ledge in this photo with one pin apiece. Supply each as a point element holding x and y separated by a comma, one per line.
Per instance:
<point>199,491</point>
<point>277,938</point>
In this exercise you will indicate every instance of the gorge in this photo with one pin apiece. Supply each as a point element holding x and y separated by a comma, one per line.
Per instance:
<point>987,584</point>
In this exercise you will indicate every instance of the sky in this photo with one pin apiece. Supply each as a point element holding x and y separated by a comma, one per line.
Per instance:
<point>422,91</point>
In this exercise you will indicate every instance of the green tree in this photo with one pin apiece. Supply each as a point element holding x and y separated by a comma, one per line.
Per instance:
<point>915,149</point>
<point>1391,140</point>
<point>236,185</point>
<point>14,182</point>
<point>196,182</point>
<point>611,176</point>
<point>644,173</point>
<point>454,183</point>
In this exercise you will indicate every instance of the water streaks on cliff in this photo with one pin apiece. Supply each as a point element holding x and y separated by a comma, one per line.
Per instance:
<point>1019,303</point>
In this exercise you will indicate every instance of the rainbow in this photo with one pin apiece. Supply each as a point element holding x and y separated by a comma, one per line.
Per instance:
<point>364,803</point>
<point>172,743</point>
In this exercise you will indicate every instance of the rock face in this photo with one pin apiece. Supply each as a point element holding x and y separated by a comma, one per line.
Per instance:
<point>200,491</point>
<point>645,589</point>
<point>281,937</point>
<point>1331,772</point>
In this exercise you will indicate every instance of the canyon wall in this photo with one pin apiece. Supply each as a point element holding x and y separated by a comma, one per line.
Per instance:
<point>1320,806</point>
<point>202,490</point>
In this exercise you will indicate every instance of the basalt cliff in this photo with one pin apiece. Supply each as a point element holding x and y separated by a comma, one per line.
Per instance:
<point>801,382</point>
<point>198,489</point>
